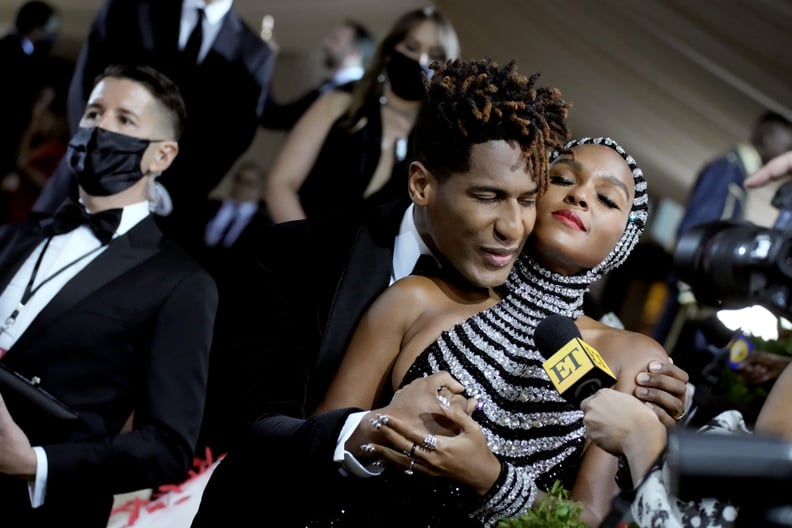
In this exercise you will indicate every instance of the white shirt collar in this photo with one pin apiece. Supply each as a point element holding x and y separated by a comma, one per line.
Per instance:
<point>131,216</point>
<point>243,209</point>
<point>408,247</point>
<point>213,13</point>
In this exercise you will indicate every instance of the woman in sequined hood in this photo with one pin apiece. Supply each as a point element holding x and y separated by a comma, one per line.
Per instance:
<point>523,436</point>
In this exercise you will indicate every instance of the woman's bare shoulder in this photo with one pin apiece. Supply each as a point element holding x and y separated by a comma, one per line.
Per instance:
<point>622,349</point>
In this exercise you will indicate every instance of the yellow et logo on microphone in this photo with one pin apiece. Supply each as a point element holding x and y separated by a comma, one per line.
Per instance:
<point>573,361</point>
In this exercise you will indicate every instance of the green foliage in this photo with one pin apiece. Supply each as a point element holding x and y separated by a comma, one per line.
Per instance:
<point>782,347</point>
<point>554,510</point>
<point>732,388</point>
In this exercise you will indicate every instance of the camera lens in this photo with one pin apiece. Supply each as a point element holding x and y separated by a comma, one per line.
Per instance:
<point>732,264</point>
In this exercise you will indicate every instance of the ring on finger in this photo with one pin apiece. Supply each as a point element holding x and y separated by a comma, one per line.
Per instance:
<point>411,454</point>
<point>409,470</point>
<point>443,400</point>
<point>378,421</point>
<point>681,416</point>
<point>429,442</point>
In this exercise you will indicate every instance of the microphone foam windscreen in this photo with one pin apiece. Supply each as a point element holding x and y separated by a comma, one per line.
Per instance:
<point>553,332</point>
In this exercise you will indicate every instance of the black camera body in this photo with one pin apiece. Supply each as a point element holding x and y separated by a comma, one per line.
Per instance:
<point>731,264</point>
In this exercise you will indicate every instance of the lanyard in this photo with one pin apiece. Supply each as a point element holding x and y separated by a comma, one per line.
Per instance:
<point>30,290</point>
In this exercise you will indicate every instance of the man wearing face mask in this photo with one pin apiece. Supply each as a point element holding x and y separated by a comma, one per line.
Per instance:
<point>102,312</point>
<point>352,150</point>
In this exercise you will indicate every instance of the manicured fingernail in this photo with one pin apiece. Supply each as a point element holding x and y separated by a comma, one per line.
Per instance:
<point>643,377</point>
<point>655,365</point>
<point>640,391</point>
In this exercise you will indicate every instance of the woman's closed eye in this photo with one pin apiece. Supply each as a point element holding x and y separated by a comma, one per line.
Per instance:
<point>608,202</point>
<point>560,180</point>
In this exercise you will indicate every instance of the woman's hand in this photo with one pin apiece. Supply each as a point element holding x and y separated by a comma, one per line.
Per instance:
<point>665,387</point>
<point>620,423</point>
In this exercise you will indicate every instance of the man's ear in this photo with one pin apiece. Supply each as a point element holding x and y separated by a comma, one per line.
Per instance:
<point>164,155</point>
<point>419,183</point>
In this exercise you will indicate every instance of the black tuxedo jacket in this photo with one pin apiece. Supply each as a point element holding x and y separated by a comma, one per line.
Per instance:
<point>315,278</point>
<point>225,94</point>
<point>312,281</point>
<point>129,333</point>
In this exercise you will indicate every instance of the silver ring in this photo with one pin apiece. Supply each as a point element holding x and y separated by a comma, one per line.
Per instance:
<point>409,470</point>
<point>441,388</point>
<point>378,421</point>
<point>443,400</point>
<point>429,442</point>
<point>411,454</point>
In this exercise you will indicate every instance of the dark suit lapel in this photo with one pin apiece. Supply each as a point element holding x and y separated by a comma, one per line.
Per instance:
<point>227,42</point>
<point>159,25</point>
<point>367,274</point>
<point>123,254</point>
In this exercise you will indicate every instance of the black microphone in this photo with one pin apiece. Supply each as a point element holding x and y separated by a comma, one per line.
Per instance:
<point>575,368</point>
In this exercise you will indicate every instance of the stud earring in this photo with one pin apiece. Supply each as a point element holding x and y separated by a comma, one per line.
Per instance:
<point>633,217</point>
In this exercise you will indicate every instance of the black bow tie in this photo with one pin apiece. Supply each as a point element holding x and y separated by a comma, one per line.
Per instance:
<point>72,215</point>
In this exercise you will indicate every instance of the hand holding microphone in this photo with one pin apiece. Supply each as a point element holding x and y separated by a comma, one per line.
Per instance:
<point>575,368</point>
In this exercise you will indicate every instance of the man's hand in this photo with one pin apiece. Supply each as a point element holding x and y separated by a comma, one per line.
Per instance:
<point>778,167</point>
<point>17,457</point>
<point>460,454</point>
<point>416,405</point>
<point>428,428</point>
<point>665,386</point>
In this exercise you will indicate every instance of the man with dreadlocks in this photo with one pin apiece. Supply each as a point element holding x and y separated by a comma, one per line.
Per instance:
<point>483,138</point>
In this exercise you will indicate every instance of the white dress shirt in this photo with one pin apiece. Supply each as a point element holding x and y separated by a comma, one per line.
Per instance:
<point>230,211</point>
<point>62,250</point>
<point>213,21</point>
<point>406,250</point>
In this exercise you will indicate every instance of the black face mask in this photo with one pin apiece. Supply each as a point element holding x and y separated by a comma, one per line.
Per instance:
<point>406,76</point>
<point>104,162</point>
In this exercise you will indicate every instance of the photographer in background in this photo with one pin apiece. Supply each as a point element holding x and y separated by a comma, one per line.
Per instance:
<point>718,194</point>
<point>760,366</point>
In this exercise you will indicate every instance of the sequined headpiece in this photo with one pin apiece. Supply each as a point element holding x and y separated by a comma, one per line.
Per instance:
<point>639,212</point>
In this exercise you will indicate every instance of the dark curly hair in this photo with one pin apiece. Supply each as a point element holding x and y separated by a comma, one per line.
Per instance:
<point>475,101</point>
